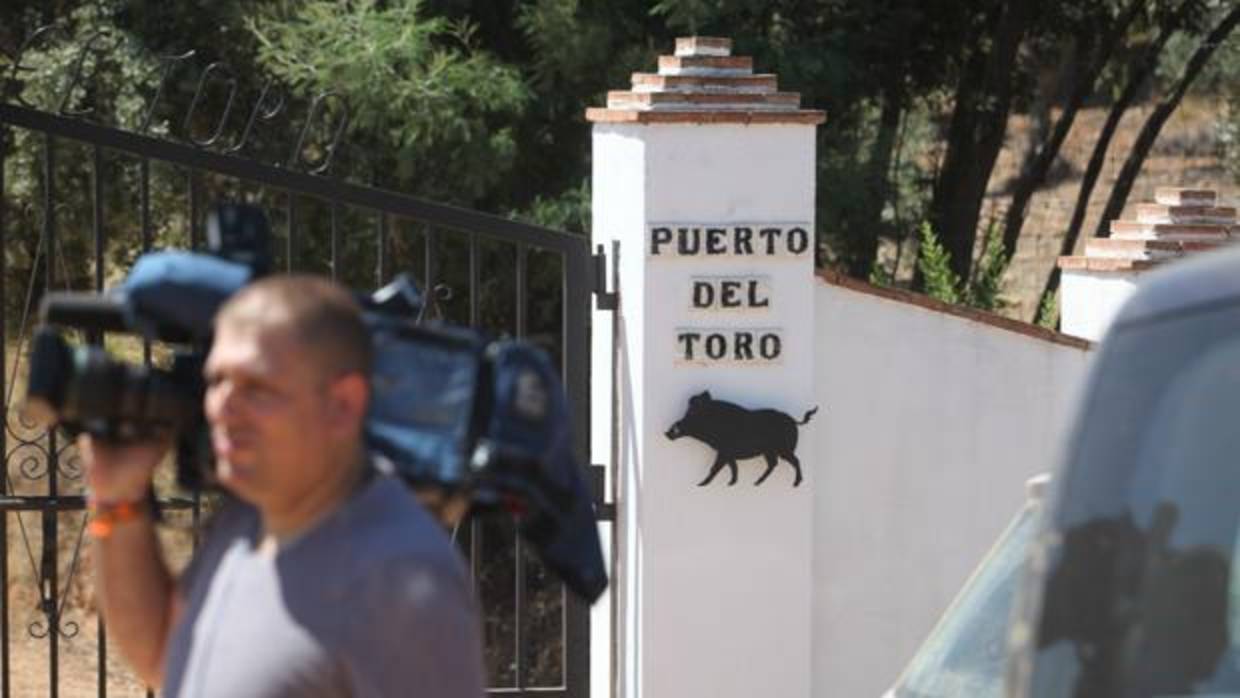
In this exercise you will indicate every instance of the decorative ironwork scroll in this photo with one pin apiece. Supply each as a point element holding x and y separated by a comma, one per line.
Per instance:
<point>327,112</point>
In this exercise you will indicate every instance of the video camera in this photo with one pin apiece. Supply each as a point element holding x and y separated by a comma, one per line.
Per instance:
<point>451,410</point>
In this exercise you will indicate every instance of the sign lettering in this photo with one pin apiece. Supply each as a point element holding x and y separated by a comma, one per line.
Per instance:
<point>696,345</point>
<point>737,240</point>
<point>730,293</point>
<point>736,294</point>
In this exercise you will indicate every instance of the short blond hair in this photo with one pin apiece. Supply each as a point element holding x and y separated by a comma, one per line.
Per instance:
<point>323,317</point>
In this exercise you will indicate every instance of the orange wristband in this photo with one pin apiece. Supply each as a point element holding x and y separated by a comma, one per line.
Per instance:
<point>104,518</point>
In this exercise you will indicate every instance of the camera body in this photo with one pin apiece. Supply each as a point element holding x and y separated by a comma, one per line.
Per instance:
<point>451,409</point>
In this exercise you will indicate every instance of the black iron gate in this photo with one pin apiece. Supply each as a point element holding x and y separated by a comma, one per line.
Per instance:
<point>509,276</point>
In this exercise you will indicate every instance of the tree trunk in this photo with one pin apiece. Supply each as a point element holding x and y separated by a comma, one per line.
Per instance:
<point>878,175</point>
<point>1098,157</point>
<point>1032,179</point>
<point>1158,118</point>
<point>979,121</point>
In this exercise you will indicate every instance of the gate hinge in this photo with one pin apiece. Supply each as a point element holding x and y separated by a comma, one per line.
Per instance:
<point>603,509</point>
<point>603,299</point>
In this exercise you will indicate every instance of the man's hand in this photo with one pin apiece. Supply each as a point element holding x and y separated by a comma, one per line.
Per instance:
<point>119,473</point>
<point>136,590</point>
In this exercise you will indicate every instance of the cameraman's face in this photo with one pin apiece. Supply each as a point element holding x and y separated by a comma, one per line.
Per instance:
<point>273,427</point>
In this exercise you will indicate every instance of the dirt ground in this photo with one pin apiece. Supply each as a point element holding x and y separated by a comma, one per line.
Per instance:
<point>30,646</point>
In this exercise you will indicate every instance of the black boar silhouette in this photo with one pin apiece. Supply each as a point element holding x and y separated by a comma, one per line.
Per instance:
<point>737,433</point>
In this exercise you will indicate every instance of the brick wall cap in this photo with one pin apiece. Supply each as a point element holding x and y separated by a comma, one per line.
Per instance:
<point>1104,264</point>
<point>812,117</point>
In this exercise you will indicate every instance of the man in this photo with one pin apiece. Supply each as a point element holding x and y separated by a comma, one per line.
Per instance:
<point>322,578</point>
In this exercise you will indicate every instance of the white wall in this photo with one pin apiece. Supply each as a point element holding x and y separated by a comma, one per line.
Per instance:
<point>713,583</point>
<point>932,423</point>
<point>1090,300</point>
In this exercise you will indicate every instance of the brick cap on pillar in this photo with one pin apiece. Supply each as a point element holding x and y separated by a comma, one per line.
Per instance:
<point>1179,222</point>
<point>703,83</point>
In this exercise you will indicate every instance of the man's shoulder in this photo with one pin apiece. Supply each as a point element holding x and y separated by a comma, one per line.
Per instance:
<point>403,559</point>
<point>388,529</point>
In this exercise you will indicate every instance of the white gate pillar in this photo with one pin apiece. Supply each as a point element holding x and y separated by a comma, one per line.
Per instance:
<point>704,175</point>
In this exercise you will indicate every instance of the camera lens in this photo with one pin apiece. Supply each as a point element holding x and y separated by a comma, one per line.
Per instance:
<point>51,366</point>
<point>83,388</point>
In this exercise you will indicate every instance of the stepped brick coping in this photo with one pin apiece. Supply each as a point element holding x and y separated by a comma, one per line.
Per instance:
<point>684,116</point>
<point>835,278</point>
<point>704,84</point>
<point>761,82</point>
<point>1179,196</point>
<point>708,65</point>
<point>1164,213</point>
<point>703,46</point>
<point>1207,231</point>
<point>672,100</point>
<point>1182,221</point>
<point>1105,264</point>
<point>1116,248</point>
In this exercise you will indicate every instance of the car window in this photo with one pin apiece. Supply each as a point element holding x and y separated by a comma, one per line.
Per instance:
<point>964,654</point>
<point>1141,595</point>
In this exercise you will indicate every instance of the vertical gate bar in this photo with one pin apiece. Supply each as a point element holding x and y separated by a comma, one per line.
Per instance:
<point>519,619</point>
<point>4,423</point>
<point>519,591</point>
<point>576,302</point>
<point>289,246</point>
<point>475,275</point>
<point>475,549</point>
<point>475,301</point>
<point>522,289</point>
<point>144,216</point>
<point>430,268</point>
<point>103,656</point>
<point>101,675</point>
<point>335,237</point>
<point>144,203</point>
<point>381,256</point>
<point>195,242</point>
<point>51,543</point>
<point>195,231</point>
<point>575,339</point>
<point>97,213</point>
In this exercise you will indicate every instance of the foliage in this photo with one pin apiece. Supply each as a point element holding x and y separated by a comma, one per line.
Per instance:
<point>1048,312</point>
<point>113,69</point>
<point>569,211</point>
<point>1223,70</point>
<point>939,281</point>
<point>986,287</point>
<point>1229,135</point>
<point>427,100</point>
<point>882,275</point>
<point>1227,70</point>
<point>982,291</point>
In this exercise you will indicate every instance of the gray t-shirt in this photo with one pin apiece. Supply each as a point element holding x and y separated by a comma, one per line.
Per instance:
<point>372,602</point>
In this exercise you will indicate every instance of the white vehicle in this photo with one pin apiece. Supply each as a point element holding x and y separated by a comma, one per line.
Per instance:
<point>1134,582</point>
<point>965,653</point>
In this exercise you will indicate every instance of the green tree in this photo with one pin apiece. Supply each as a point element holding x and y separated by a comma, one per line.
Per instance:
<point>984,290</point>
<point>426,105</point>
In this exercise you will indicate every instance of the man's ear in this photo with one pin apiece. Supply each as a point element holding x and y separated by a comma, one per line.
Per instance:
<point>348,397</point>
